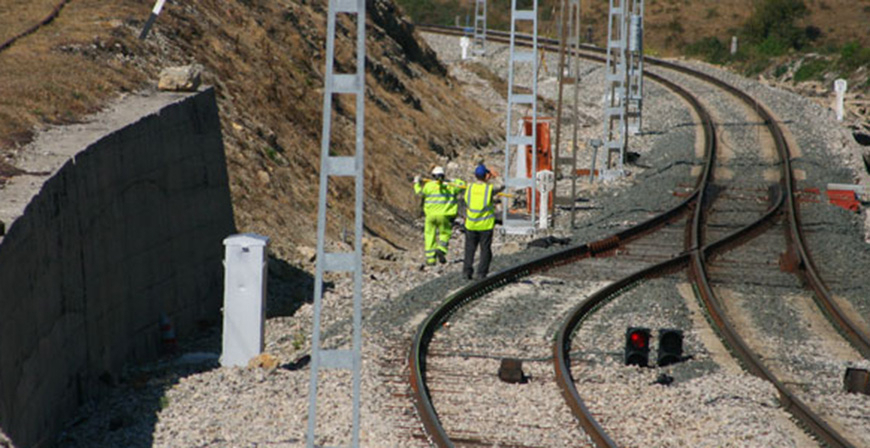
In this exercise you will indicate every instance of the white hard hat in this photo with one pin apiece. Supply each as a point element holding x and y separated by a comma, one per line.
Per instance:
<point>437,171</point>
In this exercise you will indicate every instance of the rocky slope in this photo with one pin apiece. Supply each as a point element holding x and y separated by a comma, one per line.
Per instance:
<point>266,59</point>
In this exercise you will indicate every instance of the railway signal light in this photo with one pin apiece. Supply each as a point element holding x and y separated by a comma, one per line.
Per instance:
<point>637,346</point>
<point>670,347</point>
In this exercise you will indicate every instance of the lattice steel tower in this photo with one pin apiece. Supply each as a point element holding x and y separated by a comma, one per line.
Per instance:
<point>616,106</point>
<point>569,73</point>
<point>635,67</point>
<point>347,360</point>
<point>478,45</point>
<point>522,224</point>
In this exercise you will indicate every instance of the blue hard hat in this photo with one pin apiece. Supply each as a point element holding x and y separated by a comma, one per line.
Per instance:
<point>481,171</point>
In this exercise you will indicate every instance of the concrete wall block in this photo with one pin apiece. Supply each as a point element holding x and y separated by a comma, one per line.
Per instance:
<point>216,173</point>
<point>49,302</point>
<point>194,171</point>
<point>95,262</point>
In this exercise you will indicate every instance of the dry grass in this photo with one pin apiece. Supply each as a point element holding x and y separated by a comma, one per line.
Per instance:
<point>265,59</point>
<point>671,24</point>
<point>42,82</point>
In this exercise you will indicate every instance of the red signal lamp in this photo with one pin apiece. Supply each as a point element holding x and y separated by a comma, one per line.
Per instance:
<point>637,346</point>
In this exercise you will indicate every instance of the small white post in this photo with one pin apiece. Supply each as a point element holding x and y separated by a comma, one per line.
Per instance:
<point>733,45</point>
<point>840,86</point>
<point>464,42</point>
<point>545,185</point>
<point>244,298</point>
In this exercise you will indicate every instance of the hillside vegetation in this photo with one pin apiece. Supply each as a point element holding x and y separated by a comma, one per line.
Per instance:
<point>804,44</point>
<point>670,25</point>
<point>265,58</point>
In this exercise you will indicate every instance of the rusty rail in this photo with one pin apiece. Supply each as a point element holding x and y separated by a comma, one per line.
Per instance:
<point>417,361</point>
<point>694,259</point>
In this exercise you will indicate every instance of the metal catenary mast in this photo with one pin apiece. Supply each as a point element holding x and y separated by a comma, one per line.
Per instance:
<point>347,360</point>
<point>524,224</point>
<point>569,73</point>
<point>478,47</point>
<point>635,68</point>
<point>616,106</point>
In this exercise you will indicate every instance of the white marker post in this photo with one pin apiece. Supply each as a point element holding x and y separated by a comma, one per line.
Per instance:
<point>546,180</point>
<point>840,86</point>
<point>464,42</point>
<point>153,17</point>
<point>733,45</point>
<point>244,298</point>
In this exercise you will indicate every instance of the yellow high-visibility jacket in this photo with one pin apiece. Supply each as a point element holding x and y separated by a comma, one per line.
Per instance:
<point>479,211</point>
<point>439,198</point>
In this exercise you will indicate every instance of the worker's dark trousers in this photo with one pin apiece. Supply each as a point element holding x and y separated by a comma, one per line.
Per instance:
<point>472,239</point>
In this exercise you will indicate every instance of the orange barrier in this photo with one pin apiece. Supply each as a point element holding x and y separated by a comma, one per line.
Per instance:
<point>544,156</point>
<point>845,199</point>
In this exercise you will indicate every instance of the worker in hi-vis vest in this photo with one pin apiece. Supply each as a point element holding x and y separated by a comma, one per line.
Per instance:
<point>479,222</point>
<point>440,205</point>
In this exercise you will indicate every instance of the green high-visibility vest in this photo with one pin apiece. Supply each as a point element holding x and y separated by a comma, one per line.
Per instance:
<point>479,211</point>
<point>438,198</point>
<point>456,187</point>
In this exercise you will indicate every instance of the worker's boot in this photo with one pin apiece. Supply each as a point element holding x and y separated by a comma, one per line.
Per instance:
<point>441,258</point>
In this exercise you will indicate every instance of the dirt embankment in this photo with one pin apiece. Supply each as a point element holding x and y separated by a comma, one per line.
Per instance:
<point>265,58</point>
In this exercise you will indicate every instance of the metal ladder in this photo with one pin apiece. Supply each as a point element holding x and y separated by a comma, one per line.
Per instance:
<point>615,107</point>
<point>341,166</point>
<point>514,225</point>
<point>570,35</point>
<point>635,68</point>
<point>478,46</point>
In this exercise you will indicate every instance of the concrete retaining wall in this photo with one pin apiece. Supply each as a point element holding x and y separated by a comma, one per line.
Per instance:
<point>129,229</point>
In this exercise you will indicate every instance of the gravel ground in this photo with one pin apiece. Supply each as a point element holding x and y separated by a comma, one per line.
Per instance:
<point>825,152</point>
<point>190,401</point>
<point>709,402</point>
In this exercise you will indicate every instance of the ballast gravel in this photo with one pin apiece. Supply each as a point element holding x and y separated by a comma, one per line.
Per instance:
<point>189,401</point>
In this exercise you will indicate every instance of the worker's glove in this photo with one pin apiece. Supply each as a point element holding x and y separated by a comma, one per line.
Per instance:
<point>416,179</point>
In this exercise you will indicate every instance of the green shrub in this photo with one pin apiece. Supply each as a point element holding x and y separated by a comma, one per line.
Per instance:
<point>756,65</point>
<point>780,70</point>
<point>774,45</point>
<point>772,26</point>
<point>853,55</point>
<point>675,26</point>
<point>811,69</point>
<point>711,49</point>
<point>426,11</point>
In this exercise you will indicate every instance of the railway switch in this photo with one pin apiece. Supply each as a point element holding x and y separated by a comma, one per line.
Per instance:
<point>637,346</point>
<point>670,347</point>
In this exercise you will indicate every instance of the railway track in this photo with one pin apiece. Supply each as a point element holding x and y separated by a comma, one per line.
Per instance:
<point>700,246</point>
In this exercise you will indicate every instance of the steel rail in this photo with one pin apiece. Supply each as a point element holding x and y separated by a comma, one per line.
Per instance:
<point>417,361</point>
<point>695,260</point>
<point>697,270</point>
<point>797,255</point>
<point>698,273</point>
<point>562,339</point>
